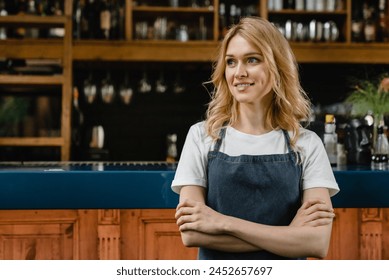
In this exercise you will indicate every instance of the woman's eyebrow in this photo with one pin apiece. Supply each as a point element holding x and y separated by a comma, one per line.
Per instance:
<point>246,54</point>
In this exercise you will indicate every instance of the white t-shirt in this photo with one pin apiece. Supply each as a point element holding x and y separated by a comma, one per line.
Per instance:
<point>192,166</point>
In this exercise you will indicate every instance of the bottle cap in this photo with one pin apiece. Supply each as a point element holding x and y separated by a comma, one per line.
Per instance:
<point>330,118</point>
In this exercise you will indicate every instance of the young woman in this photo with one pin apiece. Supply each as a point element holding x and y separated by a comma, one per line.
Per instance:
<point>253,183</point>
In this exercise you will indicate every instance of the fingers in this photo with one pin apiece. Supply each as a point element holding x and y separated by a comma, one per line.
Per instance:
<point>322,221</point>
<point>314,212</point>
<point>186,207</point>
<point>188,203</point>
<point>186,214</point>
<point>314,205</point>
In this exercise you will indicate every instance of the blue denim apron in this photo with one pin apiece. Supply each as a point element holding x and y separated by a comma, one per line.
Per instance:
<point>264,189</point>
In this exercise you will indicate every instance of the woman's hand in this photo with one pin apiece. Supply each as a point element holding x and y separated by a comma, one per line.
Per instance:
<point>314,213</point>
<point>194,215</point>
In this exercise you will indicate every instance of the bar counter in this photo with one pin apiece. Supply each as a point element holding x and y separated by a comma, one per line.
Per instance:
<point>143,185</point>
<point>124,210</point>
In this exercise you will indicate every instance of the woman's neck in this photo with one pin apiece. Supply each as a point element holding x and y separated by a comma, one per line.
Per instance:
<point>251,120</point>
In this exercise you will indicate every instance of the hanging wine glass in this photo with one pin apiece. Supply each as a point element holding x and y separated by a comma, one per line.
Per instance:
<point>178,86</point>
<point>90,89</point>
<point>144,83</point>
<point>126,92</point>
<point>160,84</point>
<point>107,89</point>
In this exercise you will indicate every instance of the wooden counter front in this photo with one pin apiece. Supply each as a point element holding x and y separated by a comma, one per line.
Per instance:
<point>95,234</point>
<point>67,213</point>
<point>144,234</point>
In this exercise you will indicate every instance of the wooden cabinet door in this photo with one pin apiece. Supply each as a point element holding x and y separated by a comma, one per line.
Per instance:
<point>152,234</point>
<point>38,235</point>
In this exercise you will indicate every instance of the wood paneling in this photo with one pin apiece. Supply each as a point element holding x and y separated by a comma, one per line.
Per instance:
<point>153,234</point>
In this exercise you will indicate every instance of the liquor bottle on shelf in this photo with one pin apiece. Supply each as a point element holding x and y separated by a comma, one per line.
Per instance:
<point>330,138</point>
<point>105,20</point>
<point>289,4</point>
<point>357,29</point>
<point>222,21</point>
<point>57,10</point>
<point>20,31</point>
<point>383,27</point>
<point>379,158</point>
<point>117,20</point>
<point>370,30</point>
<point>3,12</point>
<point>233,19</point>
<point>77,125</point>
<point>77,13</point>
<point>202,32</point>
<point>90,20</point>
<point>32,32</point>
<point>171,153</point>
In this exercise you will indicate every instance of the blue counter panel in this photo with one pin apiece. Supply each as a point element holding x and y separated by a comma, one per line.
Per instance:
<point>87,186</point>
<point>144,186</point>
<point>78,190</point>
<point>362,188</point>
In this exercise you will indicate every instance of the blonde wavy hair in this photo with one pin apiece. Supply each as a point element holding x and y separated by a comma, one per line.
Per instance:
<point>290,104</point>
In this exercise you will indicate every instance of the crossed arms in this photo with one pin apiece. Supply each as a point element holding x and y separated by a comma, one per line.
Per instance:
<point>308,235</point>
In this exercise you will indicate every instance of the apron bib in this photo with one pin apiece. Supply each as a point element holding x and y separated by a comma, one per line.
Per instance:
<point>264,189</point>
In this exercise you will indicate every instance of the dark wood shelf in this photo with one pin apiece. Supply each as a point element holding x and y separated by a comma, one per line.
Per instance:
<point>31,20</point>
<point>170,51</point>
<point>151,9</point>
<point>32,141</point>
<point>31,80</point>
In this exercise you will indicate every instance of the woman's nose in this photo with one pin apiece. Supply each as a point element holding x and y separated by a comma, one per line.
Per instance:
<point>240,71</point>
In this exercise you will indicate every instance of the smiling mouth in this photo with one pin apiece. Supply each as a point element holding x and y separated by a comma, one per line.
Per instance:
<point>243,86</point>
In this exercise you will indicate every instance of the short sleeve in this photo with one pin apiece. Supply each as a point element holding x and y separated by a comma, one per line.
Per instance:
<point>317,170</point>
<point>191,169</point>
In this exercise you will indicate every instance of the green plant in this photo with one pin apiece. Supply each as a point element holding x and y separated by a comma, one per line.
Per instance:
<point>12,111</point>
<point>371,95</point>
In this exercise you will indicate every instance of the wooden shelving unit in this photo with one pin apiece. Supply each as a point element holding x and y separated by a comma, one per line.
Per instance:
<point>131,49</point>
<point>60,49</point>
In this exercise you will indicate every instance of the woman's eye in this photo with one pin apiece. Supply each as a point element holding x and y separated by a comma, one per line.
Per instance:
<point>230,62</point>
<point>252,60</point>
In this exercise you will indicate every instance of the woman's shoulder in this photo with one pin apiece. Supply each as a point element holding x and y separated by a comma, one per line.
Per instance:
<point>309,142</point>
<point>198,132</point>
<point>198,129</point>
<point>307,135</point>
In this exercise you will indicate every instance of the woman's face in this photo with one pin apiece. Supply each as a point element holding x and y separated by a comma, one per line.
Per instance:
<point>246,74</point>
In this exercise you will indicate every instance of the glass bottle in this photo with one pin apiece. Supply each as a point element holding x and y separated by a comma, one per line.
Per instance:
<point>341,155</point>
<point>233,15</point>
<point>32,32</point>
<point>20,31</point>
<point>77,125</point>
<point>330,138</point>
<point>91,19</point>
<point>222,21</point>
<point>383,28</point>
<point>77,13</point>
<point>379,160</point>
<point>3,12</point>
<point>357,28</point>
<point>171,153</point>
<point>370,30</point>
<point>105,20</point>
